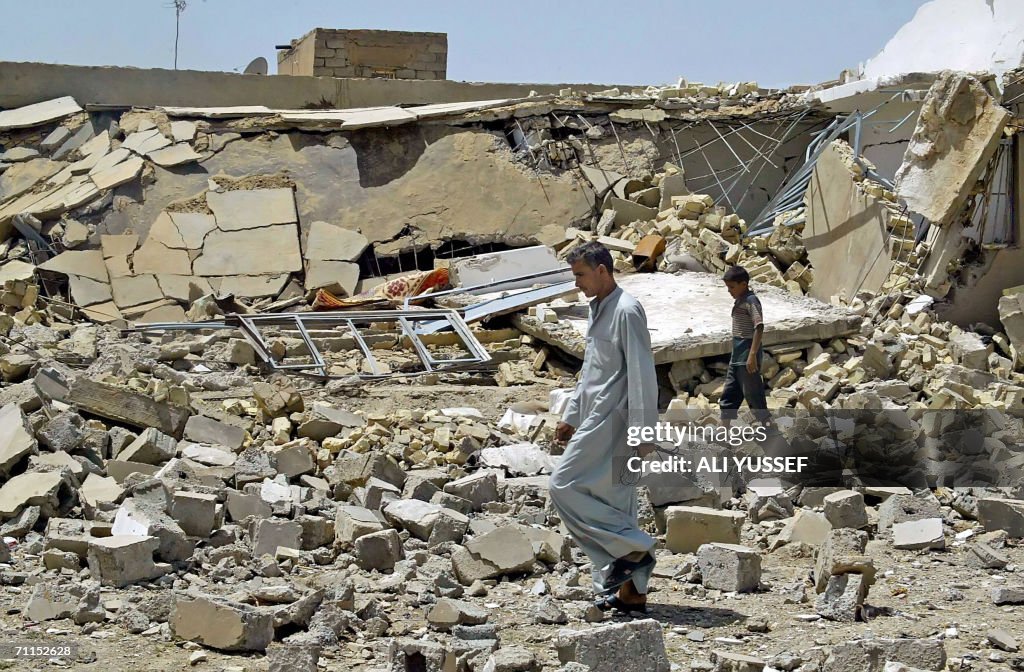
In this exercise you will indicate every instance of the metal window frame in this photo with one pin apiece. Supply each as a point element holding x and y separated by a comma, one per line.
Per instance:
<point>250,324</point>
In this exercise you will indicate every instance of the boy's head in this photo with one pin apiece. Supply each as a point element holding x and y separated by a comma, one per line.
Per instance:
<point>592,267</point>
<point>737,281</point>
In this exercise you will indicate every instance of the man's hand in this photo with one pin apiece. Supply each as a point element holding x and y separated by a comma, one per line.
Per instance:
<point>751,363</point>
<point>564,432</point>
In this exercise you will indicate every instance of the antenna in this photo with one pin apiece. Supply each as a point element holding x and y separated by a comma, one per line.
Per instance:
<point>258,66</point>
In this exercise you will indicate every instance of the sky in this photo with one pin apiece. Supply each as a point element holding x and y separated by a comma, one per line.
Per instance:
<point>775,43</point>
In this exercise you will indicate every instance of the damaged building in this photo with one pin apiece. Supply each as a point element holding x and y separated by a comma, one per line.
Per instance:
<point>282,359</point>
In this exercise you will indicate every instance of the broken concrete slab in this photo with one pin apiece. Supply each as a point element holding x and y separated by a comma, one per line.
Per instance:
<point>31,489</point>
<point>269,533</point>
<point>244,210</point>
<point>482,269</point>
<point>339,277</point>
<point>202,429</point>
<point>152,447</point>
<point>38,113</point>
<point>220,623</point>
<point>707,331</point>
<point>175,155</point>
<point>958,130</point>
<point>918,534</point>
<point>100,492</point>
<point>135,290</point>
<point>847,228</point>
<point>843,598</point>
<point>328,242</point>
<point>118,174</point>
<point>243,252</point>
<point>84,263</point>
<point>17,440</point>
<point>132,408</point>
<point>192,227</point>
<point>505,550</point>
<point>996,513</point>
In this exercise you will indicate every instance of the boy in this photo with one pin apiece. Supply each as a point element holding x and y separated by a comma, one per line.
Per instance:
<point>744,378</point>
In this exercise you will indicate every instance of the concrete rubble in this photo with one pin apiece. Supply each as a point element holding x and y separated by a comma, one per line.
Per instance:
<point>169,486</point>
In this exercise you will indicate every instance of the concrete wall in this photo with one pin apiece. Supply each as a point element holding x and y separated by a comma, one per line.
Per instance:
<point>967,35</point>
<point>27,83</point>
<point>845,233</point>
<point>367,53</point>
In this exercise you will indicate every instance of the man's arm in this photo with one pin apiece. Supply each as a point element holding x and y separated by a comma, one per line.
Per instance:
<point>570,417</point>
<point>754,347</point>
<point>641,379</point>
<point>754,307</point>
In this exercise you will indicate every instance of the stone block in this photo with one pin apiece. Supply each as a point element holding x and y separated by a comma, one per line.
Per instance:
<point>479,488</point>
<point>903,508</point>
<point>269,533</point>
<point>293,458</point>
<point>123,560</point>
<point>207,430</point>
<point>352,522</point>
<point>152,447</point>
<point>284,657</point>
<point>846,509</point>
<point>843,599</point>
<point>505,550</point>
<point>997,513</point>
<point>843,553</point>
<point>637,645</point>
<point>378,550</point>
<point>729,567</point>
<point>195,512</point>
<point>447,613</point>
<point>689,527</point>
<point>220,623</point>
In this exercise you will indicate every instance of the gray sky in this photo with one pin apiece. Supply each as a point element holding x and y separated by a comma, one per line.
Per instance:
<point>776,43</point>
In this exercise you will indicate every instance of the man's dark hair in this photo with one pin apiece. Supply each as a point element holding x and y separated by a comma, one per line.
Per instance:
<point>736,274</point>
<point>593,253</point>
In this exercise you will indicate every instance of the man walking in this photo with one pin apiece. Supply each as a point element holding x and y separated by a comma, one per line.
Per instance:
<point>617,389</point>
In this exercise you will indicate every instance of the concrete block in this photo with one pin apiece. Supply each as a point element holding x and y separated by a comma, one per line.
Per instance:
<point>805,526</point>
<point>846,509</point>
<point>293,458</point>
<point>283,657</point>
<point>729,567</point>
<point>240,506</point>
<point>637,645</point>
<point>689,527</point>
<point>123,560</point>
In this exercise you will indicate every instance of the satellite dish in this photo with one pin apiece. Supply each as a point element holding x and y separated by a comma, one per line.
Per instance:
<point>257,67</point>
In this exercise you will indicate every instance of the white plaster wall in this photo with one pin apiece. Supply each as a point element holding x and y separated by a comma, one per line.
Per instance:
<point>968,35</point>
